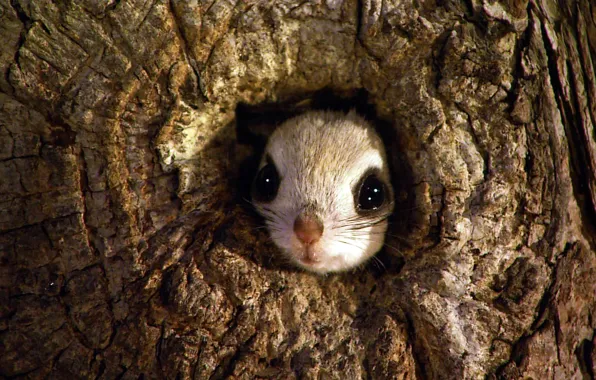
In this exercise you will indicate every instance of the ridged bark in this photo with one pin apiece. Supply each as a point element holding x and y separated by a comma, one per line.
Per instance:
<point>127,250</point>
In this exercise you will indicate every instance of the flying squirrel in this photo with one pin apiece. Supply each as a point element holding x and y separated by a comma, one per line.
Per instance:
<point>323,188</point>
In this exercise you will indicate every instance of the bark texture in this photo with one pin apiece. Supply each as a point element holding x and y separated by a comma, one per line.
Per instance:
<point>126,250</point>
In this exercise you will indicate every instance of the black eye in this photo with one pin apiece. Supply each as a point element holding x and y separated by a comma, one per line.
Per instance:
<point>372,194</point>
<point>266,183</point>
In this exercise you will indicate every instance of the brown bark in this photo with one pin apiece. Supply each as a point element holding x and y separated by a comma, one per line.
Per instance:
<point>126,249</point>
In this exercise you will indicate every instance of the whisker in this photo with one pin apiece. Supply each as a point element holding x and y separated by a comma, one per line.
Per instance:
<point>349,242</point>
<point>361,225</point>
<point>358,218</point>
<point>373,214</point>
<point>379,263</point>
<point>374,241</point>
<point>374,259</point>
<point>264,209</point>
<point>360,233</point>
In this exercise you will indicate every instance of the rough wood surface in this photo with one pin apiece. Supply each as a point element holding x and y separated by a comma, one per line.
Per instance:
<point>126,250</point>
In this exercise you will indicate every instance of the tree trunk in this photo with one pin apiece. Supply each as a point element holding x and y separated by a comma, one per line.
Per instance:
<point>127,250</point>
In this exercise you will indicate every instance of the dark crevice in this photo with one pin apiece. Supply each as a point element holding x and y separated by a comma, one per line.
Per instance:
<point>113,6</point>
<point>432,134</point>
<point>57,357</point>
<point>189,56</point>
<point>558,341</point>
<point>469,8</point>
<point>583,61</point>
<point>195,365</point>
<point>438,229</point>
<point>20,375</point>
<point>479,20</point>
<point>225,369</point>
<point>21,14</point>
<point>580,171</point>
<point>543,307</point>
<point>438,58</point>
<point>587,171</point>
<point>518,353</point>
<point>418,352</point>
<point>101,370</point>
<point>359,20</point>
<point>27,22</point>
<point>583,352</point>
<point>121,374</point>
<point>166,287</point>
<point>522,44</point>
<point>158,348</point>
<point>542,321</point>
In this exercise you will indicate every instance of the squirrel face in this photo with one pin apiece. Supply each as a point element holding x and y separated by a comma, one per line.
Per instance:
<point>323,188</point>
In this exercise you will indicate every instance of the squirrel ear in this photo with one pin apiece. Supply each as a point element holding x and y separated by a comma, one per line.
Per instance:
<point>355,116</point>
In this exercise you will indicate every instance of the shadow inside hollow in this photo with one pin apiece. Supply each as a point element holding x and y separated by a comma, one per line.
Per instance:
<point>255,123</point>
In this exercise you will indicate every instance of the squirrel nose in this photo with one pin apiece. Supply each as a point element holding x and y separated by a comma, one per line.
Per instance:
<point>308,229</point>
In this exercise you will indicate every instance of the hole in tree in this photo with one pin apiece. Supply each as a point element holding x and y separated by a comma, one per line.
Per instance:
<point>255,123</point>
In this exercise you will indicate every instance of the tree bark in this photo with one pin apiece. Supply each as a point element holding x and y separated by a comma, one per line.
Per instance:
<point>127,250</point>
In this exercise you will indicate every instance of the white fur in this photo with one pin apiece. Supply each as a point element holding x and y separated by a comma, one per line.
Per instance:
<point>320,158</point>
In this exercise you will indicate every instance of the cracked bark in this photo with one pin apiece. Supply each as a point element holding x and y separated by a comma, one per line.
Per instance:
<point>126,249</point>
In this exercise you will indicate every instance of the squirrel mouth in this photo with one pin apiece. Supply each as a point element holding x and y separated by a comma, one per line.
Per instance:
<point>310,257</point>
<point>309,261</point>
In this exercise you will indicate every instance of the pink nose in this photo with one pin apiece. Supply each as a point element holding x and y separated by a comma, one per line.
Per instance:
<point>308,229</point>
